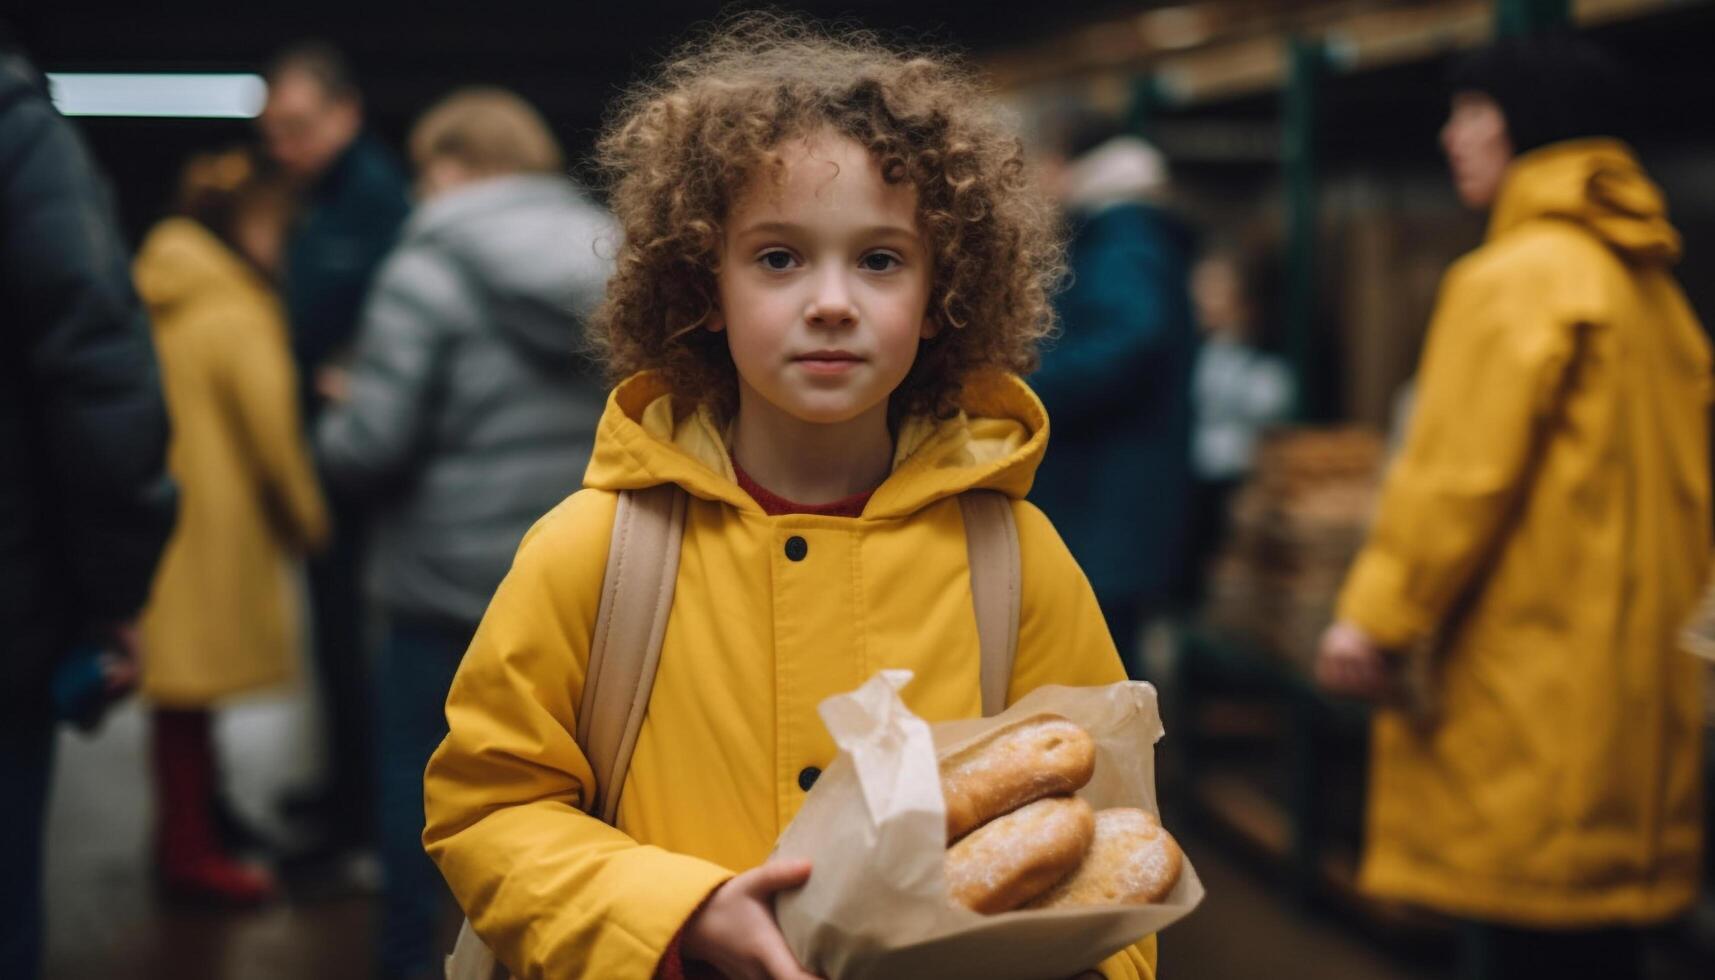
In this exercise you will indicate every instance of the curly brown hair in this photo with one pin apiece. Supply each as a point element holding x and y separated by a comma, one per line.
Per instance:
<point>684,143</point>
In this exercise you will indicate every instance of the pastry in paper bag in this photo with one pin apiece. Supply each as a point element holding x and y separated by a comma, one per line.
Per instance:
<point>875,830</point>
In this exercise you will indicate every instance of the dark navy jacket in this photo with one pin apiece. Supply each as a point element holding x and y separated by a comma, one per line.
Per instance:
<point>350,222</point>
<point>1117,477</point>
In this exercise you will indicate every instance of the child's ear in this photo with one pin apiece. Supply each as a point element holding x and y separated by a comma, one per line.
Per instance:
<point>716,321</point>
<point>931,327</point>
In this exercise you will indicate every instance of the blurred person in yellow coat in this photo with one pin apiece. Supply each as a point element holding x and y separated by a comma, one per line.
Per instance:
<point>1546,530</point>
<point>223,617</point>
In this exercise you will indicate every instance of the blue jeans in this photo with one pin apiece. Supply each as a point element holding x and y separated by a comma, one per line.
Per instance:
<point>415,669</point>
<point>343,678</point>
<point>26,761</point>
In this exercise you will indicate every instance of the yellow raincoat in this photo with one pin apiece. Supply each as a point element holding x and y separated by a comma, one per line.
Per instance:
<point>222,617</point>
<point>1548,523</point>
<point>755,641</point>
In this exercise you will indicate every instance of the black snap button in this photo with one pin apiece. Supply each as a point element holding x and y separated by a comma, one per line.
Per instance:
<point>797,548</point>
<point>808,775</point>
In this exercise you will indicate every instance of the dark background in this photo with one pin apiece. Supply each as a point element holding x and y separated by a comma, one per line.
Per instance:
<point>1377,152</point>
<point>569,58</point>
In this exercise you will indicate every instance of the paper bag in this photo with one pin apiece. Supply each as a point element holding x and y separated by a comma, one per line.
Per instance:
<point>874,828</point>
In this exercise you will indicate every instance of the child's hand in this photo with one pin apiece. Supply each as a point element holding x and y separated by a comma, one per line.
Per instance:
<point>735,931</point>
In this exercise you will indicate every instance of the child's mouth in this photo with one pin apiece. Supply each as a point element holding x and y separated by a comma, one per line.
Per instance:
<point>828,362</point>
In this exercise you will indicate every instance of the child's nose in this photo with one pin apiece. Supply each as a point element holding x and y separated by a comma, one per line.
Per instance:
<point>832,304</point>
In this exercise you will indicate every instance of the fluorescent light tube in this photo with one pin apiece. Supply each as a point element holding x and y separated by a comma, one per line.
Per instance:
<point>187,96</point>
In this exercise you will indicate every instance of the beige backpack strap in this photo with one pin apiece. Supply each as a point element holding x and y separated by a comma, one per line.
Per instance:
<point>625,649</point>
<point>991,542</point>
<point>636,595</point>
<point>471,960</point>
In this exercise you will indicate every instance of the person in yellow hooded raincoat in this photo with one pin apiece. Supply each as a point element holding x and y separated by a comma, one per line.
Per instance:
<point>822,373</point>
<point>222,618</point>
<point>1546,530</point>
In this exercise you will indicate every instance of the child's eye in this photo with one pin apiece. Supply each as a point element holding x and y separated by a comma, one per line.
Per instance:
<point>879,262</point>
<point>777,259</point>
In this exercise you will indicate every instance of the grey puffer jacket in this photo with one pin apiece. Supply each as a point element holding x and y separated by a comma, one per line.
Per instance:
<point>471,412</point>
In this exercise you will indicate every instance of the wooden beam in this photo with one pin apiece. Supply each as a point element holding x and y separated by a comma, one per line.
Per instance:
<point>1389,37</point>
<point>1239,68</point>
<point>1218,50</point>
<point>1590,13</point>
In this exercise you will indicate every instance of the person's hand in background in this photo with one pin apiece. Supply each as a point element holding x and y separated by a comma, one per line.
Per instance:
<point>333,383</point>
<point>1349,663</point>
<point>123,666</point>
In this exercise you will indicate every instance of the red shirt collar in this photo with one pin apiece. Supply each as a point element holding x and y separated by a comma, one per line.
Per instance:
<point>775,505</point>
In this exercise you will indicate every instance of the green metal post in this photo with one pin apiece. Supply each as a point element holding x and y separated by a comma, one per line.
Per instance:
<point>1513,17</point>
<point>1143,107</point>
<point>1306,60</point>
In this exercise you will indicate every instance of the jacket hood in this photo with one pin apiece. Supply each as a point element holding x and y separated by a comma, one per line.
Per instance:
<point>1596,183</point>
<point>181,261</point>
<point>994,443</point>
<point>534,243</point>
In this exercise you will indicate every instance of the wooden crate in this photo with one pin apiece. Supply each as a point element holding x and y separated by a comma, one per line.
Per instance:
<point>1294,530</point>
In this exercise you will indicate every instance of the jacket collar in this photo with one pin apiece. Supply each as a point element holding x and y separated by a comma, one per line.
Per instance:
<point>647,437</point>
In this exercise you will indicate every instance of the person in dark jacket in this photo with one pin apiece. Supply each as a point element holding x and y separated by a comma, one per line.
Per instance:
<point>355,198</point>
<point>85,501</point>
<point>468,413</point>
<point>1116,381</point>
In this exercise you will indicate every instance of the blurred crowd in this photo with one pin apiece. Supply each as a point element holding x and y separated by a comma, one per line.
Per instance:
<point>326,397</point>
<point>378,382</point>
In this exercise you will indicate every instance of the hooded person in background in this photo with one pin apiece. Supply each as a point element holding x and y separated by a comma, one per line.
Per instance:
<point>223,617</point>
<point>1117,379</point>
<point>469,413</point>
<point>85,500</point>
<point>1547,525</point>
<point>353,199</point>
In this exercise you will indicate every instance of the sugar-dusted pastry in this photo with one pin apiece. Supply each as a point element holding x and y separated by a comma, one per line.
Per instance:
<point>1020,855</point>
<point>1042,755</point>
<point>1132,861</point>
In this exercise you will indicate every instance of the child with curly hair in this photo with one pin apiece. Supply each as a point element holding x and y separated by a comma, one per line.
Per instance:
<point>834,268</point>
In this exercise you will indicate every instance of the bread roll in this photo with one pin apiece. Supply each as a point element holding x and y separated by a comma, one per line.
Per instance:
<point>1042,755</point>
<point>1132,861</point>
<point>1018,856</point>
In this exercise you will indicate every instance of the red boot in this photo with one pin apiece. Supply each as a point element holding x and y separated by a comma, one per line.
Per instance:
<point>219,880</point>
<point>192,864</point>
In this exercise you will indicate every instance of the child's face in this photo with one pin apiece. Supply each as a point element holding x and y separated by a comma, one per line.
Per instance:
<point>824,284</point>
<point>1219,298</point>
